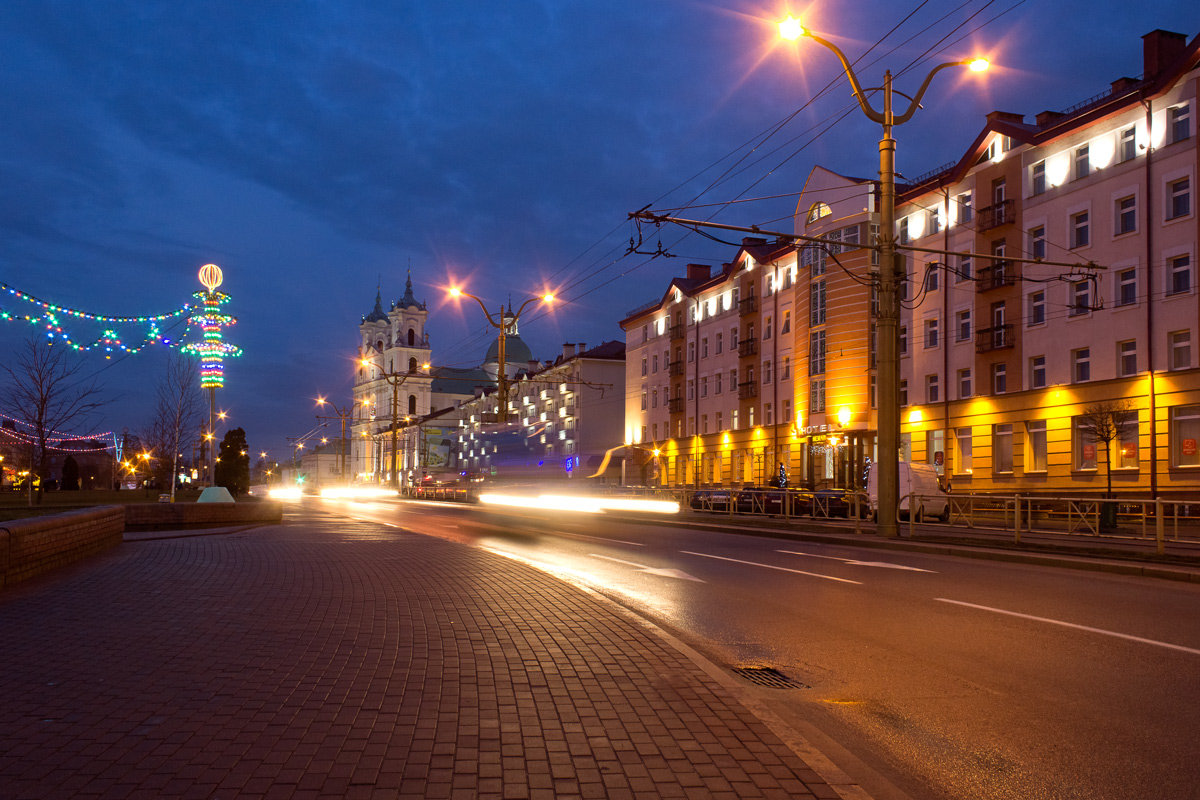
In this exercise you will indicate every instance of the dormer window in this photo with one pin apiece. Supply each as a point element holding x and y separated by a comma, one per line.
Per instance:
<point>818,210</point>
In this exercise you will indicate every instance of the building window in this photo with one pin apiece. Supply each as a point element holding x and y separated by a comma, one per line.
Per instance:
<point>1081,297</point>
<point>931,333</point>
<point>1037,307</point>
<point>1037,241</point>
<point>720,340</point>
<point>1126,221</point>
<point>1002,448</point>
<point>816,353</point>
<point>767,371</point>
<point>903,233</point>
<point>1127,358</point>
<point>768,414</point>
<point>643,366</point>
<point>768,325</point>
<point>717,383</point>
<point>1128,144</point>
<point>965,269</point>
<point>1127,287</point>
<point>787,368</point>
<point>691,352</point>
<point>903,340</point>
<point>1181,123</point>
<point>655,363</point>
<point>1083,441</point>
<point>934,224</point>
<point>1083,162</point>
<point>1081,365</point>
<point>816,303</point>
<point>964,384</point>
<point>787,323</point>
<point>787,409</point>
<point>1181,349</point>
<point>654,398</point>
<point>962,324</point>
<point>1127,440</point>
<point>704,347</point>
<point>644,400</point>
<point>999,378</point>
<point>1035,443</point>
<point>816,397</point>
<point>966,211</point>
<point>1079,230</point>
<point>1039,177</point>
<point>704,386</point>
<point>1185,434</point>
<point>1037,372</point>
<point>931,389</point>
<point>903,392</point>
<point>1179,274</point>
<point>931,277</point>
<point>962,461</point>
<point>1179,198</point>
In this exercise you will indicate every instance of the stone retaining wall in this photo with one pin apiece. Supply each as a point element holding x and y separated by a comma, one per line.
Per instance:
<point>30,547</point>
<point>173,516</point>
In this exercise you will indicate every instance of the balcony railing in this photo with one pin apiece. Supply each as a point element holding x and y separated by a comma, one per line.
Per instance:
<point>994,216</point>
<point>675,368</point>
<point>748,305</point>
<point>999,337</point>
<point>675,405</point>
<point>747,390</point>
<point>676,331</point>
<point>747,347</point>
<point>1000,273</point>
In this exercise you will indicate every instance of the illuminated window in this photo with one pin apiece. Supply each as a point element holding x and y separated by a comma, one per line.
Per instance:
<point>816,397</point>
<point>1035,445</point>
<point>816,353</point>
<point>816,303</point>
<point>1127,440</point>
<point>1002,448</point>
<point>1185,436</point>
<point>962,441</point>
<point>1083,444</point>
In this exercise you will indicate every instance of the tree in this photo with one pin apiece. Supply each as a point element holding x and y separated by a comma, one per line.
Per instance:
<point>177,411</point>
<point>70,474</point>
<point>1105,422</point>
<point>46,391</point>
<point>233,463</point>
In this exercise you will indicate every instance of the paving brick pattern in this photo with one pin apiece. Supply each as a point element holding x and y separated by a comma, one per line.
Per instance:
<point>344,659</point>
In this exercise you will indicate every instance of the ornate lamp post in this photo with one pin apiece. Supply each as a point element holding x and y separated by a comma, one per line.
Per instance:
<point>890,267</point>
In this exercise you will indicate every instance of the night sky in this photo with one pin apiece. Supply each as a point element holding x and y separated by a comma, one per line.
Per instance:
<point>316,150</point>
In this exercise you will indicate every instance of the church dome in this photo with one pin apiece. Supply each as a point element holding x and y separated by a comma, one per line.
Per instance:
<point>515,352</point>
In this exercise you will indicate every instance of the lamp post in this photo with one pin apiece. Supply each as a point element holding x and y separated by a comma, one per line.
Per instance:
<point>890,267</point>
<point>342,415</point>
<point>506,319</point>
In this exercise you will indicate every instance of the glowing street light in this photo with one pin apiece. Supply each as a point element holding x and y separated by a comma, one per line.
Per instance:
<point>504,321</point>
<point>891,269</point>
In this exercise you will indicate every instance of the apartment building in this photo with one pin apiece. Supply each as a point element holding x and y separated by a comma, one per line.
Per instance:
<point>1081,291</point>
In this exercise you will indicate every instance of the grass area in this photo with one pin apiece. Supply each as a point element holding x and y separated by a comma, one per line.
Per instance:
<point>14,505</point>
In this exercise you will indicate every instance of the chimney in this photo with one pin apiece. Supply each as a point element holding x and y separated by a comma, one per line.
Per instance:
<point>1005,116</point>
<point>1123,85</point>
<point>1161,49</point>
<point>568,350</point>
<point>1044,118</point>
<point>582,347</point>
<point>698,272</point>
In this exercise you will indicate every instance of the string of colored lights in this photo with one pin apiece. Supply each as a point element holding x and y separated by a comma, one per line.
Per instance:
<point>58,436</point>
<point>50,318</point>
<point>212,349</point>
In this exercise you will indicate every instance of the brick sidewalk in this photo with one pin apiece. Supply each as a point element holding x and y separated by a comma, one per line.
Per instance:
<point>345,659</point>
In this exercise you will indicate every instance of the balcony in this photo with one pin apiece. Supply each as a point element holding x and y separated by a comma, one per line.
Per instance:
<point>747,347</point>
<point>999,337</point>
<point>747,390</point>
<point>675,368</point>
<point>676,331</point>
<point>1001,213</point>
<point>748,305</point>
<point>999,274</point>
<point>675,405</point>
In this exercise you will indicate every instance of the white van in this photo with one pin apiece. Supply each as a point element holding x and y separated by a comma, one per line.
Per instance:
<point>915,479</point>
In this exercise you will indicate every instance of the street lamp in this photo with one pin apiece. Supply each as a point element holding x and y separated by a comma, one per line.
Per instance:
<point>505,320</point>
<point>890,269</point>
<point>342,415</point>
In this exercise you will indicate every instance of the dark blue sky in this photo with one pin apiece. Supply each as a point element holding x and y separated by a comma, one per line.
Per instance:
<point>314,149</point>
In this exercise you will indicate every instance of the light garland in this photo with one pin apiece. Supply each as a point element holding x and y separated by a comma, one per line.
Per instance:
<point>213,349</point>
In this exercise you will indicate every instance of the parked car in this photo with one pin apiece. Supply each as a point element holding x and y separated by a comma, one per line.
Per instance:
<point>917,481</point>
<point>712,500</point>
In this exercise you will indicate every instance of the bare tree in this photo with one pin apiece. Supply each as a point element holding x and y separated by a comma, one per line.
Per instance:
<point>47,392</point>
<point>1108,421</point>
<point>177,411</point>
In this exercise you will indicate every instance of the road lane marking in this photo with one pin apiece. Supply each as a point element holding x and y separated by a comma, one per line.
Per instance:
<point>883,564</point>
<point>772,566</point>
<point>604,539</point>
<point>1154,642</point>
<point>665,572</point>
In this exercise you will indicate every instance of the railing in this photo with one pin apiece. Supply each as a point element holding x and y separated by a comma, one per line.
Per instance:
<point>675,368</point>
<point>747,390</point>
<point>676,331</point>
<point>747,347</point>
<point>998,275</point>
<point>675,405</point>
<point>748,305</point>
<point>998,337</point>
<point>994,216</point>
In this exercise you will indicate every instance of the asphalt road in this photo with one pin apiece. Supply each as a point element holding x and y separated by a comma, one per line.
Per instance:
<point>929,676</point>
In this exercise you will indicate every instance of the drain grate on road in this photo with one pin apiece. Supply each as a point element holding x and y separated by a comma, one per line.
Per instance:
<point>767,676</point>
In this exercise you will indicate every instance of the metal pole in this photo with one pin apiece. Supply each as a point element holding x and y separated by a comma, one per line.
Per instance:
<point>888,329</point>
<point>501,377</point>
<point>395,423</point>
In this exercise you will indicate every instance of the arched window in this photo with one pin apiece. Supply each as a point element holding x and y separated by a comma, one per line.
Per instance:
<point>379,345</point>
<point>412,337</point>
<point>818,210</point>
<point>412,363</point>
<point>412,404</point>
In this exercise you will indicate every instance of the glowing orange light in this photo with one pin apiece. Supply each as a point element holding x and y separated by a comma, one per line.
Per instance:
<point>791,29</point>
<point>979,65</point>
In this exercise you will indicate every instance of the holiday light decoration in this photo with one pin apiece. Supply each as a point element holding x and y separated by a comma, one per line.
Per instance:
<point>49,316</point>
<point>212,349</point>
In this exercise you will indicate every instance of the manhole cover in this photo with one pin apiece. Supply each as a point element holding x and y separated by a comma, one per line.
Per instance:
<point>767,676</point>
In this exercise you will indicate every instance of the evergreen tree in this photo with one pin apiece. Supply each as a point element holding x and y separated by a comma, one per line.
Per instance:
<point>70,474</point>
<point>233,463</point>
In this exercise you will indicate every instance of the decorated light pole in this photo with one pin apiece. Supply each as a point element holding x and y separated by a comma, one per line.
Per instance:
<point>212,349</point>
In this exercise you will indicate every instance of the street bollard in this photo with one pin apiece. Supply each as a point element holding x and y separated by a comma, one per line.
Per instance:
<point>1160,526</point>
